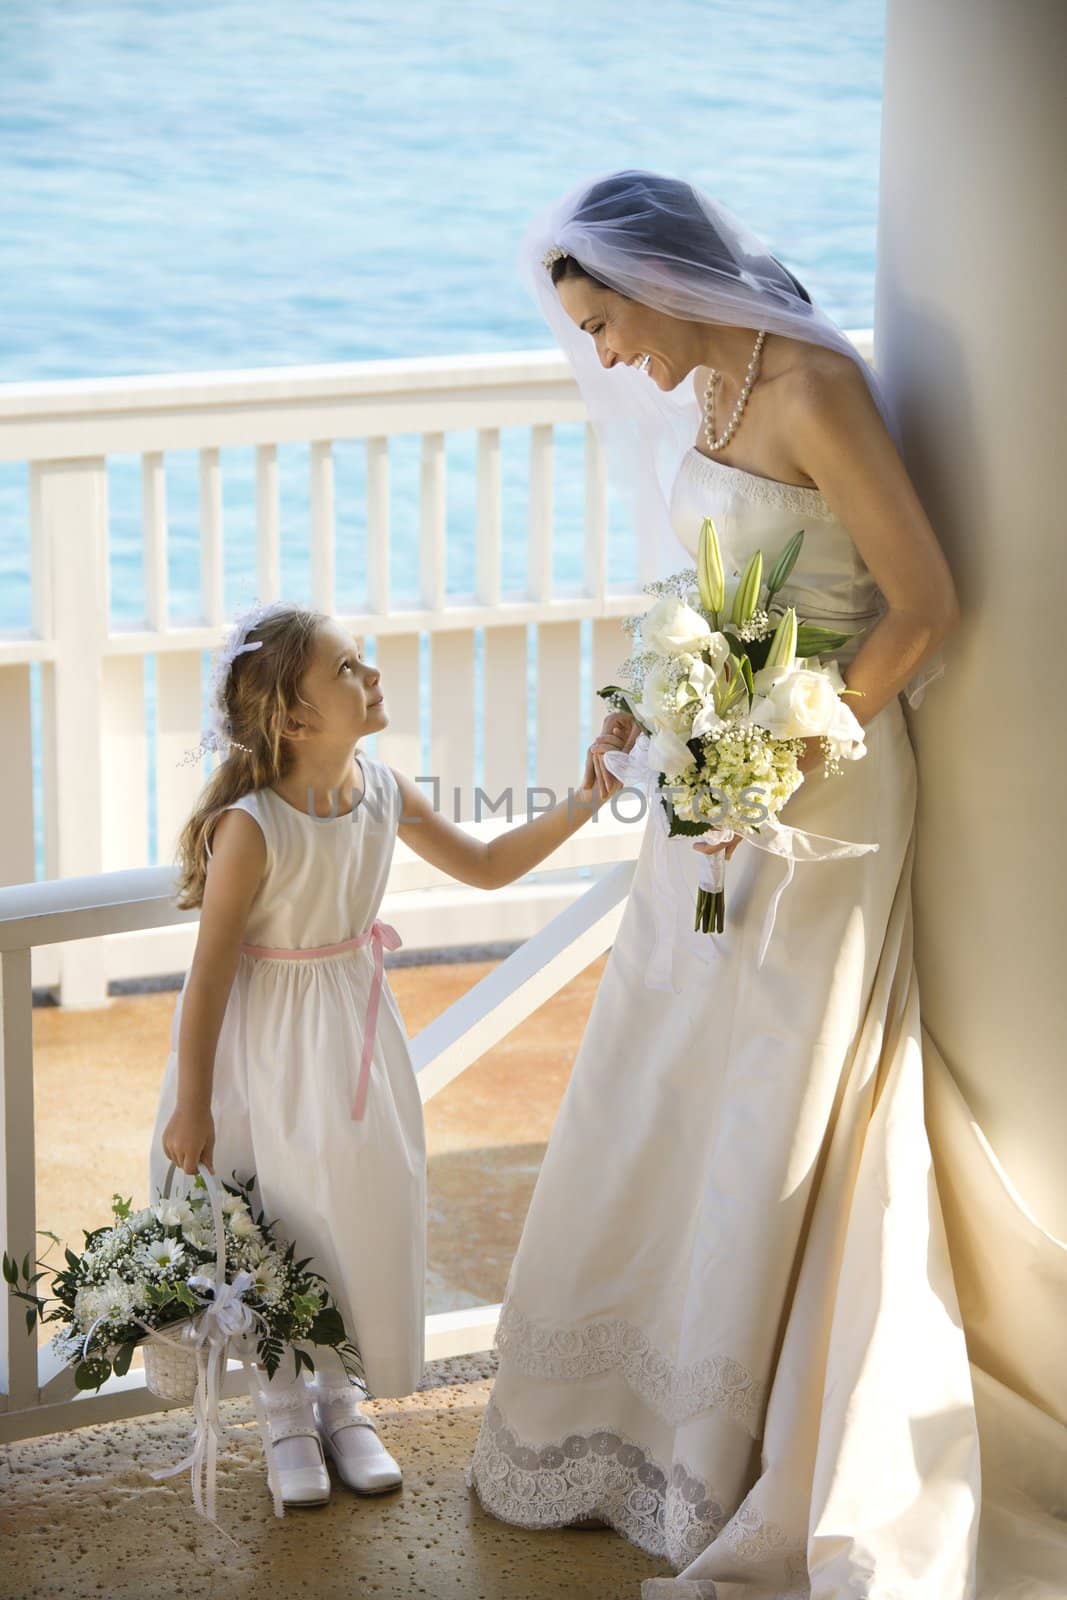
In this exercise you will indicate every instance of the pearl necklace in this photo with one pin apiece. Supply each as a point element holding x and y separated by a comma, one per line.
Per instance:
<point>746,388</point>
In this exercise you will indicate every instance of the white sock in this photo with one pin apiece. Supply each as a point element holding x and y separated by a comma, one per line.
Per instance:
<point>290,1400</point>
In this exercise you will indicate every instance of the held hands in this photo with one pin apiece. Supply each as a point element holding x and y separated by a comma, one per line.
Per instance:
<point>189,1138</point>
<point>619,732</point>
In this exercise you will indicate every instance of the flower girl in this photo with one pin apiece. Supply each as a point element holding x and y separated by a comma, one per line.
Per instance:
<point>289,1058</point>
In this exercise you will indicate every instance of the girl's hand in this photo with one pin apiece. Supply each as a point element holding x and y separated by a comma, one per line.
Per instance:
<point>597,780</point>
<point>189,1139</point>
<point>617,725</point>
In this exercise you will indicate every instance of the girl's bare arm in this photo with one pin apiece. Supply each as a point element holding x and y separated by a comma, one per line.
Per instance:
<point>493,863</point>
<point>234,872</point>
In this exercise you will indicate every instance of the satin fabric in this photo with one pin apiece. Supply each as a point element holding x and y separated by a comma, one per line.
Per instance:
<point>777,1314</point>
<point>351,1194</point>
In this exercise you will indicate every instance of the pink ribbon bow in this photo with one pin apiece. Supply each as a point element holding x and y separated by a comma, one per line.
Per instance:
<point>381,936</point>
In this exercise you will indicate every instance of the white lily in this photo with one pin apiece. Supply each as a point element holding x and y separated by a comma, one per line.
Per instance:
<point>669,754</point>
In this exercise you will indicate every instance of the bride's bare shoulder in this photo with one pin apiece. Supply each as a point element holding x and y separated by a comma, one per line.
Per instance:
<point>812,380</point>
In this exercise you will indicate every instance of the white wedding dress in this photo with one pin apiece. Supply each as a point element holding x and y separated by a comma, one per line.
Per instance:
<point>745,1326</point>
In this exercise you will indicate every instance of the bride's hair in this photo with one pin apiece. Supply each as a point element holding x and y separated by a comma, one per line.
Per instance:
<point>657,217</point>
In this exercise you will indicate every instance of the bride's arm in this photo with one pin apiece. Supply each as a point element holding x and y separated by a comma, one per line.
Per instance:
<point>840,441</point>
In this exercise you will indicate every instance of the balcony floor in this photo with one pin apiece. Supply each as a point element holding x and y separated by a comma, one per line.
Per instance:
<point>82,1518</point>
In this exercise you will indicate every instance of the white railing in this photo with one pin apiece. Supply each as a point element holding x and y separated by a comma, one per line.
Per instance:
<point>38,1395</point>
<point>94,724</point>
<point>95,746</point>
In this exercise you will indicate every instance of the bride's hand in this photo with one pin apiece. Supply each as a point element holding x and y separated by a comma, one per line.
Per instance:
<point>813,756</point>
<point>728,845</point>
<point>618,725</point>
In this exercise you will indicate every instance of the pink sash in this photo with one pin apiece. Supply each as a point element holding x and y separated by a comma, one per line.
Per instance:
<point>381,936</point>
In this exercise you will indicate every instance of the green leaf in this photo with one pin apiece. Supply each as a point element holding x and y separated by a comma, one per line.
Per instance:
<point>813,640</point>
<point>123,1357</point>
<point>71,1259</point>
<point>31,1318</point>
<point>785,564</point>
<point>11,1271</point>
<point>328,1327</point>
<point>677,828</point>
<point>91,1374</point>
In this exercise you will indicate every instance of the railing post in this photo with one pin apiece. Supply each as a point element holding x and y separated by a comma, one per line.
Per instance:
<point>596,517</point>
<point>540,546</point>
<point>69,506</point>
<point>18,1193</point>
<point>268,558</point>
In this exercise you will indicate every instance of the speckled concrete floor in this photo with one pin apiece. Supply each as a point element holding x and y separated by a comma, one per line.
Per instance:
<point>81,1518</point>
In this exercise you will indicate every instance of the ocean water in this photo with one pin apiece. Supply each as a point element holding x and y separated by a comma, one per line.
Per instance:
<point>227,185</point>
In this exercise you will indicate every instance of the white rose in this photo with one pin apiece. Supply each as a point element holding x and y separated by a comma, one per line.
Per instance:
<point>801,705</point>
<point>671,628</point>
<point>846,734</point>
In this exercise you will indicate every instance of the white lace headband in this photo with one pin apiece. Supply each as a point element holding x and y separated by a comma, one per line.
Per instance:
<point>218,736</point>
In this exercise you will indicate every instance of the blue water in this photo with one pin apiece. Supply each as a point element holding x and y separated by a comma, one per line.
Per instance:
<point>195,186</point>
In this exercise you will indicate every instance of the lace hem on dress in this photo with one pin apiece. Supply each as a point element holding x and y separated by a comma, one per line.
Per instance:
<point>604,1474</point>
<point>614,1345</point>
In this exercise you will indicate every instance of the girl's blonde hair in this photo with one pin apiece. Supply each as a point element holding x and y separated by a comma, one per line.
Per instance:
<point>261,690</point>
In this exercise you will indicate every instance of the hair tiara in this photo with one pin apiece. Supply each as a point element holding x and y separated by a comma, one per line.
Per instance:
<point>218,736</point>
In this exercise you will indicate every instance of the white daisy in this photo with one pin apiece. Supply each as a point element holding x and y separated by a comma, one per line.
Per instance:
<point>166,1253</point>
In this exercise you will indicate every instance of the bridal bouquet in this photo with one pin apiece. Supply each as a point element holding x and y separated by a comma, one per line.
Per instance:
<point>727,685</point>
<point>153,1269</point>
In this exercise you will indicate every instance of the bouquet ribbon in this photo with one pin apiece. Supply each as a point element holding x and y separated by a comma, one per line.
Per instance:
<point>633,768</point>
<point>224,1318</point>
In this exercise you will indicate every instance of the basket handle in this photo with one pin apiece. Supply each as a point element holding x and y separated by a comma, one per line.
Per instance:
<point>216,1213</point>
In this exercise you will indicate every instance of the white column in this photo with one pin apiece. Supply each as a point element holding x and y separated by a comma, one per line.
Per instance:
<point>970,334</point>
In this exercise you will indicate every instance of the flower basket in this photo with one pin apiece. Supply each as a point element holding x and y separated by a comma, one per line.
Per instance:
<point>170,1359</point>
<point>191,1281</point>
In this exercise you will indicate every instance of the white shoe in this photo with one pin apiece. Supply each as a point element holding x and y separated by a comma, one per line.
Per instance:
<point>300,1486</point>
<point>351,1439</point>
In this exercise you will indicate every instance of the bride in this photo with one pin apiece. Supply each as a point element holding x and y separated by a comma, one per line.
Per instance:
<point>732,1330</point>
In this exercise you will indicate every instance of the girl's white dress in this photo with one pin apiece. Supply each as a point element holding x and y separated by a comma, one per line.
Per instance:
<point>733,1326</point>
<point>350,1194</point>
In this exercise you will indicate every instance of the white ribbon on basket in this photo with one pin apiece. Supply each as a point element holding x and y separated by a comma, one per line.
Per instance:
<point>225,1319</point>
<point>674,887</point>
